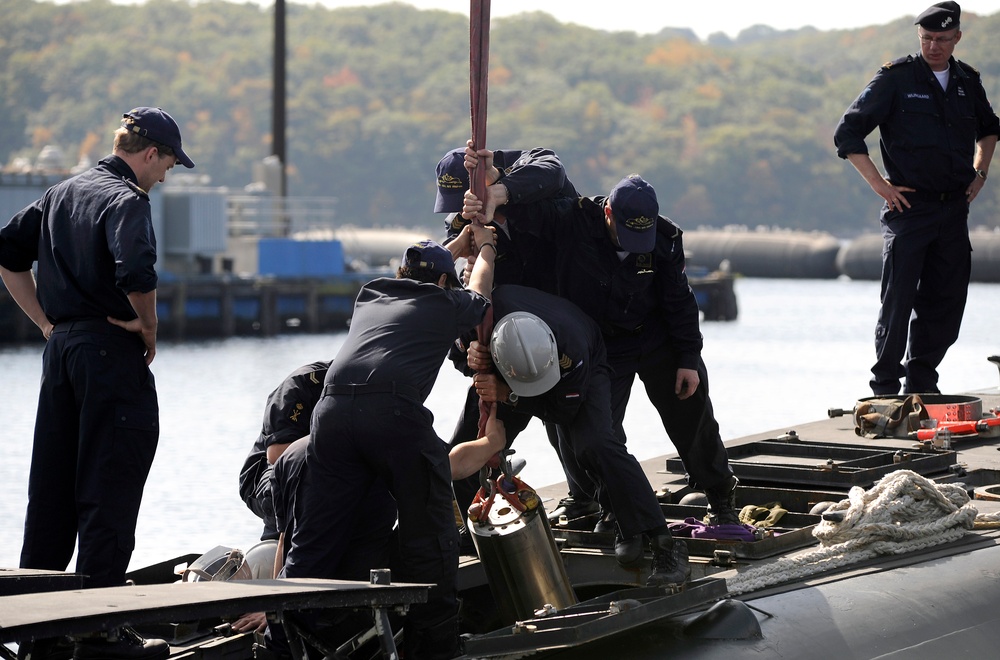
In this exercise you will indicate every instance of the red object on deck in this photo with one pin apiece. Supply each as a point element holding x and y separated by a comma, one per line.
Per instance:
<point>960,428</point>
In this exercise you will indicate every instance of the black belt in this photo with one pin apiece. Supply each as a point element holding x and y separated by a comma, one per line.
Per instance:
<point>925,196</point>
<point>393,387</point>
<point>615,331</point>
<point>92,325</point>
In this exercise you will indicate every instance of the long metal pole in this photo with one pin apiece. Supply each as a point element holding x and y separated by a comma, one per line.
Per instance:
<point>278,95</point>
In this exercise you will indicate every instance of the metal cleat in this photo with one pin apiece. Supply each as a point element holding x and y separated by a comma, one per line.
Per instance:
<point>548,609</point>
<point>624,605</point>
<point>722,558</point>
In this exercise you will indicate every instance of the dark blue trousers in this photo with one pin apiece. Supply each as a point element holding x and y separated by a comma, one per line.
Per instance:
<point>594,452</point>
<point>926,266</point>
<point>95,436</point>
<point>357,439</point>
<point>690,424</point>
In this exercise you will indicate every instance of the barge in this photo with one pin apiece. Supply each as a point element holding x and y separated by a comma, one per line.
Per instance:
<point>883,546</point>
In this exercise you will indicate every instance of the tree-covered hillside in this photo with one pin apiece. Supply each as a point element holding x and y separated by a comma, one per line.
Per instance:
<point>728,131</point>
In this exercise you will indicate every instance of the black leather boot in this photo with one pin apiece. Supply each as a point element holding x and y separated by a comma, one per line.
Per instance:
<point>722,503</point>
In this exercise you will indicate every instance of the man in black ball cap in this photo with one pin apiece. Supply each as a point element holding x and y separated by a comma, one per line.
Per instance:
<point>94,301</point>
<point>938,133</point>
<point>370,424</point>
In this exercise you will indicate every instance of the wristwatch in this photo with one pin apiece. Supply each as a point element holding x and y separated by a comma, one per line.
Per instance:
<point>981,174</point>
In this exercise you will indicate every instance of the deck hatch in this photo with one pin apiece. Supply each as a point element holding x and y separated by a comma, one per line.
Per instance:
<point>823,464</point>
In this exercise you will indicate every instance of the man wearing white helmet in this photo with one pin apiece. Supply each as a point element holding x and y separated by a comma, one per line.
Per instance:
<point>553,365</point>
<point>623,264</point>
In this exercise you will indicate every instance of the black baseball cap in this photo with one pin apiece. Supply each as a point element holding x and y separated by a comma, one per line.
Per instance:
<point>635,209</point>
<point>158,126</point>
<point>432,256</point>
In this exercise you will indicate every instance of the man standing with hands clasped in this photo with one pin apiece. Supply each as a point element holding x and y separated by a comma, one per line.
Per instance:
<point>938,133</point>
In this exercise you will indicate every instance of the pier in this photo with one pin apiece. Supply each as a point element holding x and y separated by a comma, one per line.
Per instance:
<point>225,307</point>
<point>231,306</point>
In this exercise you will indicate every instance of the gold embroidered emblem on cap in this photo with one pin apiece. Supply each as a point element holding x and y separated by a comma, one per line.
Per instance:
<point>641,223</point>
<point>450,182</point>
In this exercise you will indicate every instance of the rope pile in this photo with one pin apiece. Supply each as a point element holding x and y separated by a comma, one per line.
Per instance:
<point>903,512</point>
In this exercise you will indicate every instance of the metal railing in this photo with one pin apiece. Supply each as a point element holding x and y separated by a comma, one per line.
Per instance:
<point>253,215</point>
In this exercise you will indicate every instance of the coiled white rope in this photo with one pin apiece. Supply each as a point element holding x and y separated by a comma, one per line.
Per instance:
<point>901,513</point>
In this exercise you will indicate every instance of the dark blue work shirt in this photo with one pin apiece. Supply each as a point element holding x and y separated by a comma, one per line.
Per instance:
<point>287,416</point>
<point>285,483</point>
<point>928,135</point>
<point>529,176</point>
<point>401,331</point>
<point>92,236</point>
<point>623,294</point>
<point>578,340</point>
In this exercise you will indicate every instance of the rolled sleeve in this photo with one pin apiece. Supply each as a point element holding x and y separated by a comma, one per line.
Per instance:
<point>133,246</point>
<point>869,110</point>
<point>19,239</point>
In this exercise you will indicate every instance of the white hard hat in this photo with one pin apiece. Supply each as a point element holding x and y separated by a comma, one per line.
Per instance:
<point>258,562</point>
<point>524,351</point>
<point>217,565</point>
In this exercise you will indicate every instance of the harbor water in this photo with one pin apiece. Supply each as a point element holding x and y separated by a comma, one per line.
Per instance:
<point>798,348</point>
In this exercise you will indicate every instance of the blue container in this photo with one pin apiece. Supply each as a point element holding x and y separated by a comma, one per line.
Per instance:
<point>246,308</point>
<point>290,305</point>
<point>203,308</point>
<point>285,257</point>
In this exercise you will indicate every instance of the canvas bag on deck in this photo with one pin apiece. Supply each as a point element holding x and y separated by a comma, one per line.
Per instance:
<point>889,417</point>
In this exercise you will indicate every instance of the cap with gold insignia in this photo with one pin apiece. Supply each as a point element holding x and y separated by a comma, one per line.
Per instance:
<point>634,206</point>
<point>941,17</point>
<point>452,182</point>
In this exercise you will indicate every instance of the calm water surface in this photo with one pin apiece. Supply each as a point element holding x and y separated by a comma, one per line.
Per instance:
<point>798,348</point>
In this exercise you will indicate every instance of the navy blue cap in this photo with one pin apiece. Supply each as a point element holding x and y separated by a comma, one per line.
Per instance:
<point>156,125</point>
<point>452,182</point>
<point>941,17</point>
<point>633,204</point>
<point>432,256</point>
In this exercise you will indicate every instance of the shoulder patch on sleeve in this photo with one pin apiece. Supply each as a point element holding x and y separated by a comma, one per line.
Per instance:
<point>968,68</point>
<point>135,188</point>
<point>668,227</point>
<point>296,411</point>
<point>458,223</point>
<point>565,362</point>
<point>897,62</point>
